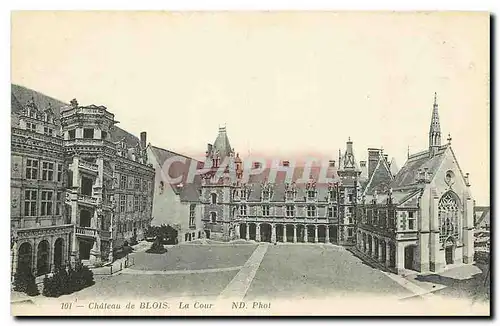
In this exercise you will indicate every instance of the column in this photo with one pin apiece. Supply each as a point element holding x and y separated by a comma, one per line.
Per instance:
<point>257,232</point>
<point>373,247</point>
<point>305,234</point>
<point>237,230</point>
<point>315,234</point>
<point>327,240</point>
<point>387,254</point>
<point>51,254</point>
<point>33,257</point>
<point>273,233</point>
<point>294,233</point>
<point>284,233</point>
<point>248,232</point>
<point>380,258</point>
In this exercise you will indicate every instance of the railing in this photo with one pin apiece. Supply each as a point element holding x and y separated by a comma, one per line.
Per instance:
<point>87,199</point>
<point>36,136</point>
<point>89,166</point>
<point>89,232</point>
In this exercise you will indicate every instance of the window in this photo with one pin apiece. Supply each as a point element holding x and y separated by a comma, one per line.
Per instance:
<point>391,218</point>
<point>311,194</point>
<point>137,184</point>
<point>88,133</point>
<point>311,211</point>
<point>349,198</point>
<point>144,185</point>
<point>333,195</point>
<point>46,207</point>
<point>30,126</point>
<point>136,203</point>
<point>30,203</point>
<point>192,209</point>
<point>266,194</point>
<point>104,135</point>
<point>213,198</point>
<point>47,171</point>
<point>289,195</point>
<point>243,210</point>
<point>375,217</point>
<point>143,203</point>
<point>48,131</point>
<point>350,210</point>
<point>123,182</point>
<point>71,134</point>
<point>58,203</point>
<point>245,193</point>
<point>411,221</point>
<point>290,210</point>
<point>330,212</point>
<point>213,217</point>
<point>31,169</point>
<point>349,232</point>
<point>59,172</point>
<point>265,210</point>
<point>123,203</point>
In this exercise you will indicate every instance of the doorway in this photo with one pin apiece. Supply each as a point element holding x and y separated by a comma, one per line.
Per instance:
<point>449,255</point>
<point>409,255</point>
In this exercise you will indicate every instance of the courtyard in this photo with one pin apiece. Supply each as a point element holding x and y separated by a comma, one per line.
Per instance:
<point>252,271</point>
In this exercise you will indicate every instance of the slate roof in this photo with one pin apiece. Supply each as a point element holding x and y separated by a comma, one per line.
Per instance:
<point>398,197</point>
<point>407,175</point>
<point>380,179</point>
<point>222,144</point>
<point>20,95</point>
<point>481,215</point>
<point>188,191</point>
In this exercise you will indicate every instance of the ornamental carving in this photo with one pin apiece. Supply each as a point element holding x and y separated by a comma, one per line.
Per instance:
<point>14,203</point>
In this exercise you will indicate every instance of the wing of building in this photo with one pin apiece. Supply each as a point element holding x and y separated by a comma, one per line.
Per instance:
<point>177,193</point>
<point>422,218</point>
<point>80,186</point>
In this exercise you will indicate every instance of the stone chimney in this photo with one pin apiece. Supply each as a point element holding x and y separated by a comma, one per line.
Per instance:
<point>331,163</point>
<point>143,139</point>
<point>373,157</point>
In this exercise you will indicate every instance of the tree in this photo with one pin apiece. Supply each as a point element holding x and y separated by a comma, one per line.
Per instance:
<point>32,288</point>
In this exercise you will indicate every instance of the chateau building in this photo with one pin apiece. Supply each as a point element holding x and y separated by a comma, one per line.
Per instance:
<point>272,206</point>
<point>422,218</point>
<point>80,186</point>
<point>176,199</point>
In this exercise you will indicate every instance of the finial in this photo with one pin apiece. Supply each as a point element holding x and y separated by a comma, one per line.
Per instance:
<point>74,103</point>
<point>449,139</point>
<point>349,138</point>
<point>435,98</point>
<point>408,155</point>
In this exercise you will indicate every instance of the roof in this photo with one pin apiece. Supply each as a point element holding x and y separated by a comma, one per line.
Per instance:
<point>381,177</point>
<point>481,215</point>
<point>188,191</point>
<point>408,173</point>
<point>20,95</point>
<point>222,144</point>
<point>394,167</point>
<point>398,197</point>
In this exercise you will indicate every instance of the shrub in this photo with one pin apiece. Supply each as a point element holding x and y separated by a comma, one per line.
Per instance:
<point>32,288</point>
<point>133,240</point>
<point>21,280</point>
<point>157,247</point>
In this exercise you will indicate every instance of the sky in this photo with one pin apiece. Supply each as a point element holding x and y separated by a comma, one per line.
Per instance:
<point>284,84</point>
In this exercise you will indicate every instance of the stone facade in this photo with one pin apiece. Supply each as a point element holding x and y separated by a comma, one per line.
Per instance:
<point>66,165</point>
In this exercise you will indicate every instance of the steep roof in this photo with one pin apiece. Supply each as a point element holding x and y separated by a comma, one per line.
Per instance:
<point>20,95</point>
<point>380,179</point>
<point>188,191</point>
<point>408,173</point>
<point>394,167</point>
<point>222,144</point>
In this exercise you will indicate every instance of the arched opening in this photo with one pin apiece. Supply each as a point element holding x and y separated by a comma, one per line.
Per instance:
<point>243,231</point>
<point>376,247</point>
<point>289,232</point>
<point>449,250</point>
<point>300,233</point>
<point>333,233</point>
<point>364,242</point>
<point>384,250</point>
<point>24,257</point>
<point>42,256</point>
<point>370,245</point>
<point>213,217</point>
<point>279,232</point>
<point>265,232</point>
<point>58,252</point>
<point>310,234</point>
<point>392,255</point>
<point>213,198</point>
<point>449,215</point>
<point>409,256</point>
<point>322,233</point>
<point>252,230</point>
<point>207,234</point>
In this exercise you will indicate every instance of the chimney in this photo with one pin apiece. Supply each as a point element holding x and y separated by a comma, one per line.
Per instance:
<point>209,148</point>
<point>373,156</point>
<point>143,139</point>
<point>256,165</point>
<point>331,163</point>
<point>286,163</point>
<point>362,164</point>
<point>364,170</point>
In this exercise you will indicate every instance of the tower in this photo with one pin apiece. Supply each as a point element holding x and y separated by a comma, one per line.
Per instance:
<point>434,130</point>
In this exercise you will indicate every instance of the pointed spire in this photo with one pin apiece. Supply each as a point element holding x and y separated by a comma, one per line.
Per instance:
<point>434,129</point>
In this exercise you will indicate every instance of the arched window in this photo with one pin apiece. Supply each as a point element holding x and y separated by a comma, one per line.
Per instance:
<point>213,217</point>
<point>449,217</point>
<point>213,198</point>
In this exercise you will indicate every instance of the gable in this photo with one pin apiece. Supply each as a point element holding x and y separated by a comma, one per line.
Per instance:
<point>381,178</point>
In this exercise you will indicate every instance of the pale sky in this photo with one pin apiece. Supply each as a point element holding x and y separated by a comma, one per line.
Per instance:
<point>283,83</point>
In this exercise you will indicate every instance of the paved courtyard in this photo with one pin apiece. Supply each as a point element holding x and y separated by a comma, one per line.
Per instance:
<point>252,271</point>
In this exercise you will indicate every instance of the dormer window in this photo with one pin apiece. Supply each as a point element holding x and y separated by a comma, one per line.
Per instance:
<point>72,134</point>
<point>245,193</point>
<point>243,210</point>
<point>88,133</point>
<point>31,126</point>
<point>311,194</point>
<point>333,195</point>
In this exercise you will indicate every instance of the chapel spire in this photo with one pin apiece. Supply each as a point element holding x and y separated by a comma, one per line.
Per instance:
<point>435,129</point>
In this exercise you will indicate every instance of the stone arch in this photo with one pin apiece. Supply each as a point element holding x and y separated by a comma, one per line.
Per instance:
<point>24,257</point>
<point>42,258</point>
<point>370,245</point>
<point>252,231</point>
<point>265,232</point>
<point>322,233</point>
<point>243,230</point>
<point>58,252</point>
